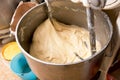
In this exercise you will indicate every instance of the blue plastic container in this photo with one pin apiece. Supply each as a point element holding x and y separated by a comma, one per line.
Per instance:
<point>20,67</point>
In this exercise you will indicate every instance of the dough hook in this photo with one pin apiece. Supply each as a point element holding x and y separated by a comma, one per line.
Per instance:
<point>90,22</point>
<point>49,11</point>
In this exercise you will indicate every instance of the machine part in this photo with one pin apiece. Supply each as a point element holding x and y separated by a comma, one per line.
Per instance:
<point>97,4</point>
<point>90,22</point>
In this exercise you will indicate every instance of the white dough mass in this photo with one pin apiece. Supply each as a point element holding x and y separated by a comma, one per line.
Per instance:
<point>61,43</point>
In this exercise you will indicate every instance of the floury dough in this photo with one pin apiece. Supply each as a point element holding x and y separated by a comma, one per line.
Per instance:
<point>60,43</point>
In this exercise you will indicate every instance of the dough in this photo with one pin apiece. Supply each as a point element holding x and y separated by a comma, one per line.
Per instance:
<point>60,43</point>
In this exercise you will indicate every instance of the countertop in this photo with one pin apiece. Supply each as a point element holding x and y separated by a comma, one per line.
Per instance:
<point>5,71</point>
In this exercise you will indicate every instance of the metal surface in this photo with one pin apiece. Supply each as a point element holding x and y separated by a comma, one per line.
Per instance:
<point>49,11</point>
<point>97,4</point>
<point>68,13</point>
<point>90,22</point>
<point>7,8</point>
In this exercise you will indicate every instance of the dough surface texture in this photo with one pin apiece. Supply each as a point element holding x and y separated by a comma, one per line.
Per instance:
<point>60,43</point>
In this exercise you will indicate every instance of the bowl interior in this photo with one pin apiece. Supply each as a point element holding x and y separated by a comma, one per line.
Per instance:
<point>65,12</point>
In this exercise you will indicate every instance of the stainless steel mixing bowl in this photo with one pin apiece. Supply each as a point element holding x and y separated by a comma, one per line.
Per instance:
<point>68,13</point>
